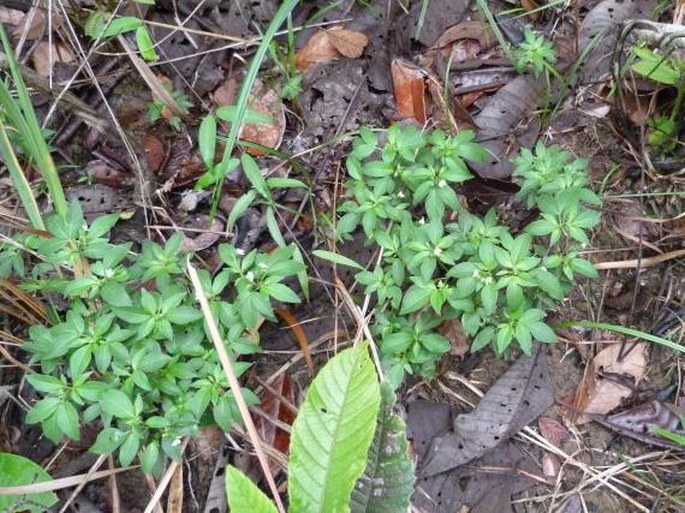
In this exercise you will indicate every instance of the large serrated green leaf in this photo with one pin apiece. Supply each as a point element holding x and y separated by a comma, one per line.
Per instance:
<point>16,470</point>
<point>332,433</point>
<point>244,496</point>
<point>388,481</point>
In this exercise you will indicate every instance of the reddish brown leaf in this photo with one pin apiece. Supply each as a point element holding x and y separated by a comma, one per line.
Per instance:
<point>265,101</point>
<point>409,89</point>
<point>319,48</point>
<point>300,336</point>
<point>155,154</point>
<point>349,43</point>
<point>453,331</point>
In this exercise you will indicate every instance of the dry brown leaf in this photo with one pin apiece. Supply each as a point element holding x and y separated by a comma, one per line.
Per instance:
<point>349,43</point>
<point>553,431</point>
<point>410,90</point>
<point>453,331</point>
<point>468,30</point>
<point>605,392</point>
<point>175,500</point>
<point>41,57</point>
<point>226,93</point>
<point>319,48</point>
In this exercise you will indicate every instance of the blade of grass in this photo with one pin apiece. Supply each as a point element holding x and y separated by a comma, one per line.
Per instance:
<point>19,180</point>
<point>241,105</point>
<point>24,120</point>
<point>623,331</point>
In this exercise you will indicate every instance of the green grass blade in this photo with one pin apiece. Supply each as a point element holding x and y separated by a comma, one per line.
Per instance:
<point>332,433</point>
<point>623,331</point>
<point>241,104</point>
<point>24,120</point>
<point>19,180</point>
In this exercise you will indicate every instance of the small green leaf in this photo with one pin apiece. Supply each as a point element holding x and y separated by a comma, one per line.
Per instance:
<point>415,298</point>
<point>117,403</point>
<point>150,457</point>
<point>542,332</point>
<point>145,45</point>
<point>239,208</point>
<point>67,420</point>
<point>45,384</point>
<point>183,315</point>
<point>207,140</point>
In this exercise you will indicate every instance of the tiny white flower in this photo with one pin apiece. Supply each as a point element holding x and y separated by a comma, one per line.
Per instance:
<point>442,183</point>
<point>250,276</point>
<point>176,442</point>
<point>109,273</point>
<point>437,252</point>
<point>400,195</point>
<point>241,252</point>
<point>422,221</point>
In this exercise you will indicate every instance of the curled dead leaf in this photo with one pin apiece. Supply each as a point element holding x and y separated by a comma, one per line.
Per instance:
<point>468,30</point>
<point>409,89</point>
<point>329,44</point>
<point>319,48</point>
<point>611,381</point>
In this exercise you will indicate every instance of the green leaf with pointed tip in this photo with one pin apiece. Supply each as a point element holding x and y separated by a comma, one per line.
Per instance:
<point>244,496</point>
<point>332,433</point>
<point>336,258</point>
<point>17,471</point>
<point>388,480</point>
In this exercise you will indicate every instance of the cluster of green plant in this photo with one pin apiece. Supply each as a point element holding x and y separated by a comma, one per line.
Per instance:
<point>129,347</point>
<point>667,70</point>
<point>440,262</point>
<point>348,450</point>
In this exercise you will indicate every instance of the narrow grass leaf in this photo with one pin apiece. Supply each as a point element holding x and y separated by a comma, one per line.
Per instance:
<point>336,258</point>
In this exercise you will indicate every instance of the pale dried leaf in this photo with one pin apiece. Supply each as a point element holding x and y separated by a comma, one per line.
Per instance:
<point>605,394</point>
<point>348,42</point>
<point>10,16</point>
<point>175,500</point>
<point>41,57</point>
<point>319,48</point>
